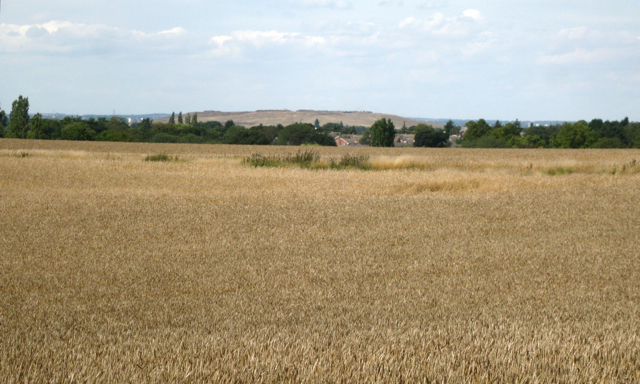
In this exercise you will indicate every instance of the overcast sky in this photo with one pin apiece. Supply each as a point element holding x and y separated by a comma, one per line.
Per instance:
<point>506,59</point>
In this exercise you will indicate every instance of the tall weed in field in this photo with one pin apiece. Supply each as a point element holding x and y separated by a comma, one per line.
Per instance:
<point>308,159</point>
<point>351,161</point>
<point>303,159</point>
<point>161,157</point>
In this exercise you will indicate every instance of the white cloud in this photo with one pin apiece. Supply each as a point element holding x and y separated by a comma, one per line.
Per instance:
<point>262,38</point>
<point>65,37</point>
<point>35,32</point>
<point>220,40</point>
<point>473,13</point>
<point>259,38</point>
<point>573,33</point>
<point>234,43</point>
<point>440,25</point>
<point>175,31</point>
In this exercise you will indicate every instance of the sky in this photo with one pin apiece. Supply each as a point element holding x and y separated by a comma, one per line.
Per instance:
<point>493,59</point>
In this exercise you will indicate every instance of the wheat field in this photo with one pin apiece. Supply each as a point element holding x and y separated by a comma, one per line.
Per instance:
<point>437,266</point>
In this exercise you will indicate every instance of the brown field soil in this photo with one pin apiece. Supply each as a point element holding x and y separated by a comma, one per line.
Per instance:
<point>285,117</point>
<point>440,265</point>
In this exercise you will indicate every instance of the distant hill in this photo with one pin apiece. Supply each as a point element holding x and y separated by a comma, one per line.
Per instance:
<point>286,117</point>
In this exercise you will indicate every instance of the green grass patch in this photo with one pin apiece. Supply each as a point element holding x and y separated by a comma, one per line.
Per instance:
<point>351,161</point>
<point>308,158</point>
<point>161,157</point>
<point>303,159</point>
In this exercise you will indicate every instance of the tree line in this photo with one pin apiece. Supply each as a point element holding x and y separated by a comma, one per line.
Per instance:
<point>594,134</point>
<point>179,129</point>
<point>187,129</point>
<point>479,134</point>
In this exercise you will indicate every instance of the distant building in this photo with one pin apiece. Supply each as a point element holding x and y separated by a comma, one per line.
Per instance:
<point>404,140</point>
<point>340,142</point>
<point>346,140</point>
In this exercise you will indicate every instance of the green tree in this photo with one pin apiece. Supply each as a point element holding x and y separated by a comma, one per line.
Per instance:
<point>259,135</point>
<point>608,142</point>
<point>300,133</point>
<point>100,125</point>
<point>404,128</point>
<point>576,135</point>
<point>486,141</point>
<point>188,119</point>
<point>349,130</point>
<point>625,122</point>
<point>596,125</point>
<point>235,135</point>
<point>427,136</point>
<point>77,131</point>
<point>476,130</point>
<point>296,134</point>
<point>546,134</point>
<point>3,122</point>
<point>115,123</point>
<point>19,121</point>
<point>383,133</point>
<point>172,119</point>
<point>366,137</point>
<point>180,118</point>
<point>229,124</point>
<point>517,124</point>
<point>270,133</point>
<point>449,127</point>
<point>331,127</point>
<point>43,129</point>
<point>37,129</point>
<point>190,138</point>
<point>529,141</point>
<point>113,135</point>
<point>144,129</point>
<point>165,128</point>
<point>506,132</point>
<point>194,119</point>
<point>613,130</point>
<point>162,137</point>
<point>316,124</point>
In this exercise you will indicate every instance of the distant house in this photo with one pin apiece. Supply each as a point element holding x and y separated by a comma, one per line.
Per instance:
<point>346,140</point>
<point>404,140</point>
<point>340,142</point>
